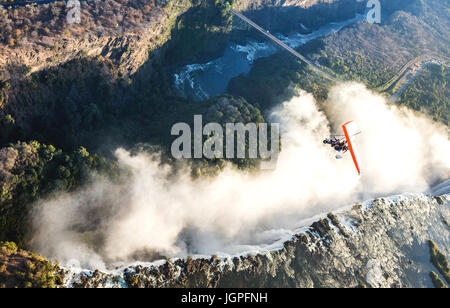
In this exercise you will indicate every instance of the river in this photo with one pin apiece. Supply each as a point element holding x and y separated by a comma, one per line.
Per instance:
<point>203,80</point>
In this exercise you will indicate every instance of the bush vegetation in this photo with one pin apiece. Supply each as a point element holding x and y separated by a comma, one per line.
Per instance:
<point>439,260</point>
<point>374,53</point>
<point>31,23</point>
<point>266,84</point>
<point>22,269</point>
<point>430,93</point>
<point>437,282</point>
<point>203,31</point>
<point>29,171</point>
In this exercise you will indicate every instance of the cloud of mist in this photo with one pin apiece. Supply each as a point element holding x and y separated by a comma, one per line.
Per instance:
<point>236,211</point>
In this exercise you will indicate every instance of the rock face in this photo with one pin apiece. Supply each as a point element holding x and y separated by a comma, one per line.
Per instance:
<point>382,243</point>
<point>127,47</point>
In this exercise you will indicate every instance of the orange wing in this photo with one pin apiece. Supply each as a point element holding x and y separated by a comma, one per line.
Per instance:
<point>350,129</point>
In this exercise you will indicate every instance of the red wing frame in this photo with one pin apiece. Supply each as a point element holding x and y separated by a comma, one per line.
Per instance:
<point>350,130</point>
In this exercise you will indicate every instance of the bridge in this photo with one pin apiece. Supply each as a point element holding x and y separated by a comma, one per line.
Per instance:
<point>282,44</point>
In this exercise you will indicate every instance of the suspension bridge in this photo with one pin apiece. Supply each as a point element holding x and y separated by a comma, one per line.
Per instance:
<point>281,44</point>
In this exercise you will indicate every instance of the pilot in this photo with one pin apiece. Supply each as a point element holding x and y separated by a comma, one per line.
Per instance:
<point>338,145</point>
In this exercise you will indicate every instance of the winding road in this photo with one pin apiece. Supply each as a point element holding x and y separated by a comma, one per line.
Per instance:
<point>409,72</point>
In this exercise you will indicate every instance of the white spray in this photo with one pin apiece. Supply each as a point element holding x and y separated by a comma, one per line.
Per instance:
<point>400,152</point>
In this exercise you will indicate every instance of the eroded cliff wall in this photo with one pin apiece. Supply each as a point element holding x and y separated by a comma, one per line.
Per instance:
<point>39,37</point>
<point>382,243</point>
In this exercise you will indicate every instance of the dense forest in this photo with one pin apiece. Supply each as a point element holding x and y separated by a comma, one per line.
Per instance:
<point>30,170</point>
<point>430,93</point>
<point>32,23</point>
